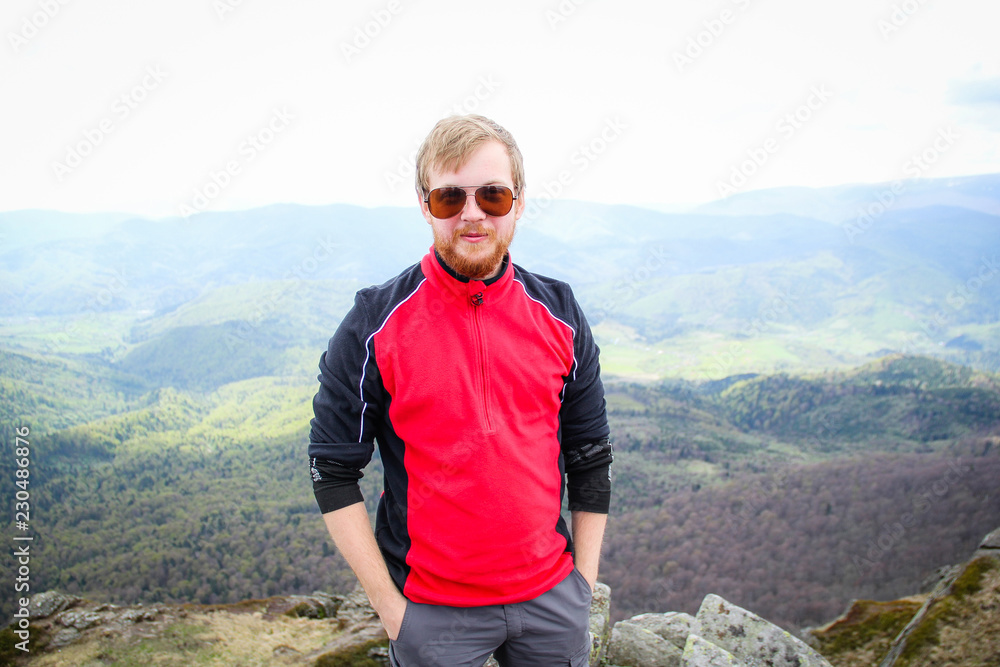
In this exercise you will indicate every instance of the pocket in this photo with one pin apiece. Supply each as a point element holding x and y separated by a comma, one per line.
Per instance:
<point>407,617</point>
<point>584,583</point>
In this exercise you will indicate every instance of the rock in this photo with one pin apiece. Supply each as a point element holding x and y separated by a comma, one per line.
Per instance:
<point>356,608</point>
<point>81,620</point>
<point>934,579</point>
<point>286,652</point>
<point>304,606</point>
<point>990,546</point>
<point>635,646</point>
<point>673,626</point>
<point>331,603</point>
<point>600,623</point>
<point>750,638</point>
<point>64,637</point>
<point>380,654</point>
<point>700,653</point>
<point>45,604</point>
<point>138,615</point>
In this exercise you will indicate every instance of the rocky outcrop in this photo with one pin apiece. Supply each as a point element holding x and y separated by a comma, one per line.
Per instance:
<point>600,623</point>
<point>957,622</point>
<point>321,629</point>
<point>958,601</point>
<point>315,630</point>
<point>720,635</point>
<point>634,646</point>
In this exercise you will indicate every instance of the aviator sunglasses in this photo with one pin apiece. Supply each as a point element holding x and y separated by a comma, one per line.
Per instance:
<point>495,200</point>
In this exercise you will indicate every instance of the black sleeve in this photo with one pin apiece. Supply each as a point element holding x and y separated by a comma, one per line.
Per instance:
<point>346,407</point>
<point>586,445</point>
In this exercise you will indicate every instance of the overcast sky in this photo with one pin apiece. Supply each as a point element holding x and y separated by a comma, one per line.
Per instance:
<point>171,107</point>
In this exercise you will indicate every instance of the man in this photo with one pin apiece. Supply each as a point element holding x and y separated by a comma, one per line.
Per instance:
<point>480,381</point>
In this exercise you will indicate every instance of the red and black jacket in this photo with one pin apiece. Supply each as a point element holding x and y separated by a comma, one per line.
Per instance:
<point>481,395</point>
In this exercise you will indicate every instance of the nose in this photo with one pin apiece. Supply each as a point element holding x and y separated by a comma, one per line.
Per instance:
<point>472,212</point>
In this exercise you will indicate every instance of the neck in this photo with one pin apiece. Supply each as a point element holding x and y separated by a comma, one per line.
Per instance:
<point>493,277</point>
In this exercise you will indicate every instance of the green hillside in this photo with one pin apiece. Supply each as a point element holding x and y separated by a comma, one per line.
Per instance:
<point>183,495</point>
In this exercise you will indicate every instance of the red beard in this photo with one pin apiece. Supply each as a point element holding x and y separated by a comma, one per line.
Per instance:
<point>477,261</point>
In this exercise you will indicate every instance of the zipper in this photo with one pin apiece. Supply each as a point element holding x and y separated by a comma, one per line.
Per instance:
<point>476,302</point>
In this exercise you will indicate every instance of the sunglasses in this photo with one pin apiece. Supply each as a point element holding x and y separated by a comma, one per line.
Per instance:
<point>496,200</point>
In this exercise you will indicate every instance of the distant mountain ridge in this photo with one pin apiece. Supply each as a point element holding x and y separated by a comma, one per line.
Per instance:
<point>845,203</point>
<point>771,280</point>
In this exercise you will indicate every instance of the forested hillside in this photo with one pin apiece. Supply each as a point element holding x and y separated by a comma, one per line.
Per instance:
<point>179,496</point>
<point>800,543</point>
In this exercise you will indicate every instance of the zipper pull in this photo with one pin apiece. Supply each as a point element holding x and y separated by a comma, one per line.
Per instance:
<point>477,292</point>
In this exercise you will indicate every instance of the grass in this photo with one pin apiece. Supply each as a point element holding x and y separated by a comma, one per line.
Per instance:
<point>180,644</point>
<point>970,581</point>
<point>945,612</point>
<point>927,632</point>
<point>356,657</point>
<point>87,333</point>
<point>867,625</point>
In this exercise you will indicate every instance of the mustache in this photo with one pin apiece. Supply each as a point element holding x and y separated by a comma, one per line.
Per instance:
<point>474,229</point>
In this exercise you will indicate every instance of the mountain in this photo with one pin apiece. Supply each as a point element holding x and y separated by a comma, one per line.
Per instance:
<point>846,203</point>
<point>779,391</point>
<point>169,495</point>
<point>761,281</point>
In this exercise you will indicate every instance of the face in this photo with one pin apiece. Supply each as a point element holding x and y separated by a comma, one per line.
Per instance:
<point>472,242</point>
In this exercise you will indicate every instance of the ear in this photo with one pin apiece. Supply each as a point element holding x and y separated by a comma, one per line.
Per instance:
<point>424,210</point>
<point>519,204</point>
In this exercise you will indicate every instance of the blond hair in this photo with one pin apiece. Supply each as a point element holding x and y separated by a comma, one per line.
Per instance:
<point>452,142</point>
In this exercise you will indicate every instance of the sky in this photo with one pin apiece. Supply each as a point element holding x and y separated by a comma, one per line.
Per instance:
<point>163,109</point>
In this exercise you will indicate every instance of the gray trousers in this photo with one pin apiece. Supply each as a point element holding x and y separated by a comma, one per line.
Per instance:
<point>551,630</point>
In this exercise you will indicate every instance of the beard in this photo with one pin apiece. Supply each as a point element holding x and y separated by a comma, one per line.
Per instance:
<point>477,261</point>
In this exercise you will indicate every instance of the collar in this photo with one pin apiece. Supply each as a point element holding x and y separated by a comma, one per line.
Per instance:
<point>466,289</point>
<point>458,276</point>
